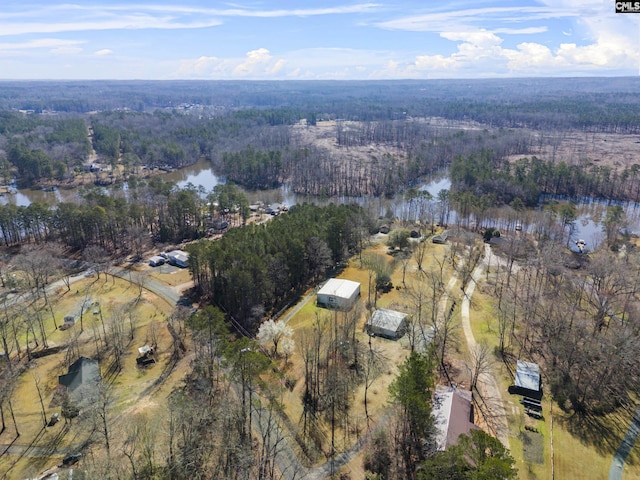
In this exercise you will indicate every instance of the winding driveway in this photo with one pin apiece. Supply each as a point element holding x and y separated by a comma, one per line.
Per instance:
<point>487,386</point>
<point>629,440</point>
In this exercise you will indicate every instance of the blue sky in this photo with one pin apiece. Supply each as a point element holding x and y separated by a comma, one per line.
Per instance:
<point>319,39</point>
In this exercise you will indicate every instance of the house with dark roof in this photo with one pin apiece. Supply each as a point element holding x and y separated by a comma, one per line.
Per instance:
<point>82,378</point>
<point>453,415</point>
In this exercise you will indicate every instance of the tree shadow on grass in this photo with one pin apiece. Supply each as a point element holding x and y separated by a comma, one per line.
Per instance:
<point>604,433</point>
<point>52,448</point>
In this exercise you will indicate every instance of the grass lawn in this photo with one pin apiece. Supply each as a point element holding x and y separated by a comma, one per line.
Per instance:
<point>394,352</point>
<point>583,448</point>
<point>132,387</point>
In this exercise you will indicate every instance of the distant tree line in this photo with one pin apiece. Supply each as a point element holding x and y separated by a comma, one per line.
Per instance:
<point>589,104</point>
<point>256,148</point>
<point>486,174</point>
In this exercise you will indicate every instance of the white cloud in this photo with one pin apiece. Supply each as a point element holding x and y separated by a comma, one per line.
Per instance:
<point>434,62</point>
<point>529,56</point>
<point>49,43</point>
<point>104,52</point>
<point>469,19</point>
<point>125,22</point>
<point>255,60</point>
<point>228,12</point>
<point>66,51</point>
<point>277,66</point>
<point>482,51</point>
<point>74,17</point>
<point>257,63</point>
<point>521,31</point>
<point>480,38</point>
<point>602,40</point>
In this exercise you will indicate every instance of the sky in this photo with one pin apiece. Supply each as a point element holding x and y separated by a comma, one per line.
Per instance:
<point>315,39</point>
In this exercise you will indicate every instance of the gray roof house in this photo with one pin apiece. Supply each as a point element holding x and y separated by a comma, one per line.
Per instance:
<point>82,378</point>
<point>387,323</point>
<point>156,261</point>
<point>178,258</point>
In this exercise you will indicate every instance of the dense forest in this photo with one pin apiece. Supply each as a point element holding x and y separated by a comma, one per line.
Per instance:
<point>594,104</point>
<point>253,136</point>
<point>484,174</point>
<point>277,260</point>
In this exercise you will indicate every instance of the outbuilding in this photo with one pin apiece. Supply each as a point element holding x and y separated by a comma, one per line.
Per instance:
<point>338,293</point>
<point>178,258</point>
<point>156,261</point>
<point>528,381</point>
<point>441,238</point>
<point>387,323</point>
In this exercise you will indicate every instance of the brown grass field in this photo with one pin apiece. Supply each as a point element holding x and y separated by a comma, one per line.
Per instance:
<point>583,448</point>
<point>136,390</point>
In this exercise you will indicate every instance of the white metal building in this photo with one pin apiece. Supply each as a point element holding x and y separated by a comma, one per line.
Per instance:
<point>179,258</point>
<point>156,261</point>
<point>387,323</point>
<point>528,376</point>
<point>338,293</point>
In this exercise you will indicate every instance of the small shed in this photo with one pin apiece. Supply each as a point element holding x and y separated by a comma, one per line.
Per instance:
<point>338,293</point>
<point>178,258</point>
<point>528,381</point>
<point>387,323</point>
<point>441,238</point>
<point>156,261</point>
<point>453,415</point>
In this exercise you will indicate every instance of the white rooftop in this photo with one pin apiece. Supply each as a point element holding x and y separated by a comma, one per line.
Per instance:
<point>528,375</point>
<point>339,288</point>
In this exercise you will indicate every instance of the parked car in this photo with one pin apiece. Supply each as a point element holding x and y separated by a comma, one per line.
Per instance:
<point>71,459</point>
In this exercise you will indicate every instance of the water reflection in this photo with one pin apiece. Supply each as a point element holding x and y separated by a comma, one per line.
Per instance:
<point>588,225</point>
<point>198,174</point>
<point>24,197</point>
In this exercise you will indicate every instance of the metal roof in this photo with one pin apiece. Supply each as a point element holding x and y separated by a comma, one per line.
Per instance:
<point>528,375</point>
<point>387,319</point>
<point>339,287</point>
<point>452,412</point>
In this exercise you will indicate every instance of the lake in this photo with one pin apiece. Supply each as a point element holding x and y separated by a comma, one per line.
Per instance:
<point>588,225</point>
